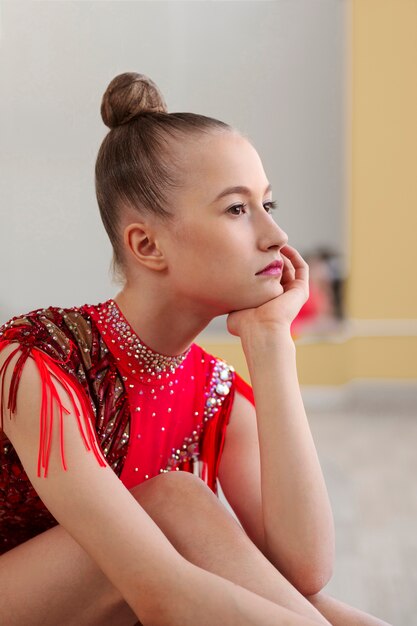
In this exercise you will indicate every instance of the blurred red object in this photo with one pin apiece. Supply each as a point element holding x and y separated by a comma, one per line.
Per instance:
<point>319,309</point>
<point>311,310</point>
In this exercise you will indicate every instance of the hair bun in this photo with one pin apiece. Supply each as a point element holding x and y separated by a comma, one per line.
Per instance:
<point>127,96</point>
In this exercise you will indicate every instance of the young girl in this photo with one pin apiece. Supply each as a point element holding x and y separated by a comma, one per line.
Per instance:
<point>116,426</point>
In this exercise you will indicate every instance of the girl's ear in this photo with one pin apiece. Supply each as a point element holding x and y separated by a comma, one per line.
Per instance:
<point>141,241</point>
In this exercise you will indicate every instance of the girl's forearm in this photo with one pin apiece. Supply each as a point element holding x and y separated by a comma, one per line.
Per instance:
<point>297,515</point>
<point>197,596</point>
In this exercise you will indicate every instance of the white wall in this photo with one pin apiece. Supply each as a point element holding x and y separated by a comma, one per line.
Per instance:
<point>276,70</point>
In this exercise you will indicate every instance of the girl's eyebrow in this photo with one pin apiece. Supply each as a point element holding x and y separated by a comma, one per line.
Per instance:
<point>239,189</point>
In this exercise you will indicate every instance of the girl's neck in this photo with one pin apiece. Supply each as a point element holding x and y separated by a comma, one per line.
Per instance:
<point>164,325</point>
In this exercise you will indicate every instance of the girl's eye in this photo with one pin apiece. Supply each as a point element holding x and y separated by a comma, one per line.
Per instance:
<point>270,206</point>
<point>236,209</point>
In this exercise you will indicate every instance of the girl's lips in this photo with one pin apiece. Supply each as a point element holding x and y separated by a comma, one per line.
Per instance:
<point>273,269</point>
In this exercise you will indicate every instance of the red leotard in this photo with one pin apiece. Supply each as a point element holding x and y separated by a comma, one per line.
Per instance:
<point>143,413</point>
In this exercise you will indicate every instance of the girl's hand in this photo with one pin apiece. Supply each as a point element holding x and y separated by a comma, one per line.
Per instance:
<point>280,311</point>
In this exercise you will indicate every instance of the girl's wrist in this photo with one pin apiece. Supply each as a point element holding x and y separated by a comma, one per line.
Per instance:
<point>266,338</point>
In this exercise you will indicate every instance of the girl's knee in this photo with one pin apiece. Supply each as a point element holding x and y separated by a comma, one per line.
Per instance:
<point>169,486</point>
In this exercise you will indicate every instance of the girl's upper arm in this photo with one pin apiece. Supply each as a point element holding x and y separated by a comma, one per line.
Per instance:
<point>88,499</point>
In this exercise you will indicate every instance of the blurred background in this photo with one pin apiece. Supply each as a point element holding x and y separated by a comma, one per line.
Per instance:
<point>326,90</point>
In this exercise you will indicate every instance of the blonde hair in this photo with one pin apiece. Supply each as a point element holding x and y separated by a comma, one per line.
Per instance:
<point>136,164</point>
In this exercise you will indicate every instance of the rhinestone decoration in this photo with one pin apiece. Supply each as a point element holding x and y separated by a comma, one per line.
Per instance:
<point>152,362</point>
<point>220,384</point>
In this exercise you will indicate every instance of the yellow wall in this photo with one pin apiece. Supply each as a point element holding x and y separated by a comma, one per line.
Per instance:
<point>383,213</point>
<point>383,197</point>
<point>336,363</point>
<point>382,143</point>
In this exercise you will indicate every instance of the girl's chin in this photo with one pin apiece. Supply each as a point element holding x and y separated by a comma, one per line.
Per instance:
<point>254,303</point>
<point>273,291</point>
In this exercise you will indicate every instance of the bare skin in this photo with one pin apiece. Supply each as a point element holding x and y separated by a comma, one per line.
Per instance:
<point>70,590</point>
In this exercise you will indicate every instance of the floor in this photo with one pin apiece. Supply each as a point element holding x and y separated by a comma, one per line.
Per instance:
<point>368,454</point>
<point>369,460</point>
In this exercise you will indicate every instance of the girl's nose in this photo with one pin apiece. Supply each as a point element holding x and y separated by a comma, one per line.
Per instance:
<point>273,236</point>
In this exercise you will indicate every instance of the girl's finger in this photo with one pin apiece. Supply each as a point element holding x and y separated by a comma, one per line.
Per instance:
<point>293,254</point>
<point>288,271</point>
<point>300,266</point>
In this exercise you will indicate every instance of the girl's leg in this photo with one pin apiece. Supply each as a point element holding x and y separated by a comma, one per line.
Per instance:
<point>239,560</point>
<point>51,580</point>
<point>203,531</point>
<point>340,614</point>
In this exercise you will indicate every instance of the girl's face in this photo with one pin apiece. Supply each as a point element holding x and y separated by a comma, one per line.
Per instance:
<point>221,239</point>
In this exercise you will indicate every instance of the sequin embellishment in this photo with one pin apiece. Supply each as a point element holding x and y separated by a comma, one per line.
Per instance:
<point>220,384</point>
<point>152,362</point>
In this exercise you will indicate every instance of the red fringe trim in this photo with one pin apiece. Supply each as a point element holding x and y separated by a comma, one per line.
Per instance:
<point>213,442</point>
<point>43,361</point>
<point>215,436</point>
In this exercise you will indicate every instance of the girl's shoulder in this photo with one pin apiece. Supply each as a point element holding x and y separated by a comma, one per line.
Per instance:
<point>62,343</point>
<point>65,334</point>
<point>47,328</point>
<point>58,339</point>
